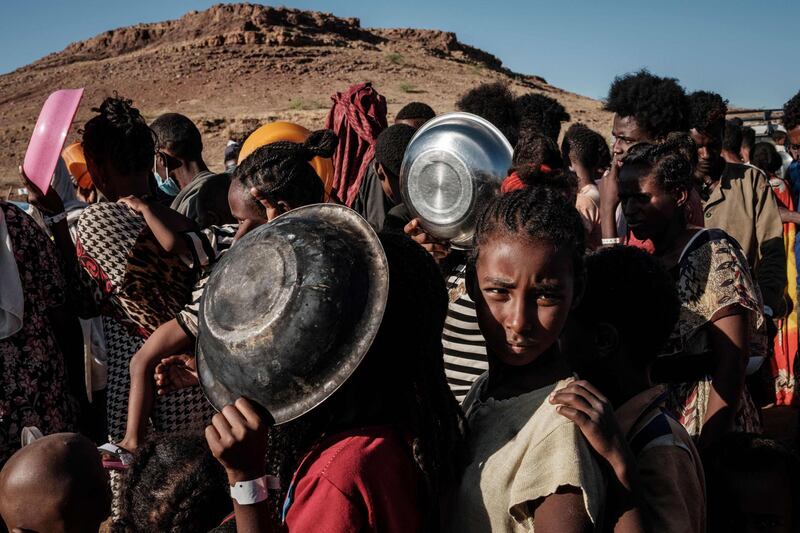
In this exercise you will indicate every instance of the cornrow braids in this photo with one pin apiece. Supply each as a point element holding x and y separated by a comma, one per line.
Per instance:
<point>173,485</point>
<point>586,146</point>
<point>671,162</point>
<point>281,170</point>
<point>537,214</point>
<point>562,181</point>
<point>536,149</point>
<point>118,137</point>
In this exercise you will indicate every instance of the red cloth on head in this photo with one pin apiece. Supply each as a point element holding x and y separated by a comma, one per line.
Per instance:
<point>512,183</point>
<point>357,117</point>
<point>515,183</point>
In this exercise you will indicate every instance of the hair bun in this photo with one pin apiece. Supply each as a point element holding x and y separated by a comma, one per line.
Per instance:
<point>321,143</point>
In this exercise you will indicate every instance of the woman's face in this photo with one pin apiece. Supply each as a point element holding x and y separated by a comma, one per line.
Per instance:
<point>524,291</point>
<point>648,209</point>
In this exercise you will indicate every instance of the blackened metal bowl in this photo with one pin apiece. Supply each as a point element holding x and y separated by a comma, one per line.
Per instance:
<point>290,311</point>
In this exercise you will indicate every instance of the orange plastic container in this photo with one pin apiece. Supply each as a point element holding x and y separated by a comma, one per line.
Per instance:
<point>76,164</point>
<point>287,131</point>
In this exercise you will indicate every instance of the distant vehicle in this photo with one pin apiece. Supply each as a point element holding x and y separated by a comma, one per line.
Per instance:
<point>765,122</point>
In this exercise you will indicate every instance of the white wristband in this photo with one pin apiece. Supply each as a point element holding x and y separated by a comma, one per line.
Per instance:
<point>255,490</point>
<point>611,242</point>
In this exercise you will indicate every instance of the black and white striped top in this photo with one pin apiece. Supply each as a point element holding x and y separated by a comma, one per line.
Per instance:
<point>464,347</point>
<point>206,247</point>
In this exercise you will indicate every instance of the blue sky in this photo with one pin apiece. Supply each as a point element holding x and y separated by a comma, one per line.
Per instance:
<point>745,50</point>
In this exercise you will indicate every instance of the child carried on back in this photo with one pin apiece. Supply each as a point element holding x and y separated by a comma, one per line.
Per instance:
<point>271,181</point>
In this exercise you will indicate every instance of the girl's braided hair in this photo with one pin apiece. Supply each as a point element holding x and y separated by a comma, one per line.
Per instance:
<point>118,138</point>
<point>538,214</point>
<point>174,485</point>
<point>281,170</point>
<point>671,161</point>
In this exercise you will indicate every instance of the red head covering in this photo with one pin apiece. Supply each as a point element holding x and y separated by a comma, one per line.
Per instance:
<point>357,117</point>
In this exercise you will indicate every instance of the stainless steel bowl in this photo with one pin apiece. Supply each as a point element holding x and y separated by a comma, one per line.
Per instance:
<point>453,165</point>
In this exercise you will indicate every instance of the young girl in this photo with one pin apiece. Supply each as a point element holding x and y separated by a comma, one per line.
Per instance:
<point>527,465</point>
<point>387,445</point>
<point>271,181</point>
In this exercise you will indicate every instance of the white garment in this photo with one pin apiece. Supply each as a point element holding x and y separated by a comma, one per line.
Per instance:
<point>12,302</point>
<point>786,160</point>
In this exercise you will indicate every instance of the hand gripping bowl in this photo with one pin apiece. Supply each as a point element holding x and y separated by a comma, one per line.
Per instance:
<point>453,164</point>
<point>290,311</point>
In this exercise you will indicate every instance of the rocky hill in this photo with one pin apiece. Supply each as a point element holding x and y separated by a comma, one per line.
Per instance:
<point>235,66</point>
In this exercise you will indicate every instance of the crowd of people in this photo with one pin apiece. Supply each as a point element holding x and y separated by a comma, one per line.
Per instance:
<point>611,353</point>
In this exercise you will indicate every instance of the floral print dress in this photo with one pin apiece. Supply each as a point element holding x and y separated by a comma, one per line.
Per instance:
<point>712,277</point>
<point>33,379</point>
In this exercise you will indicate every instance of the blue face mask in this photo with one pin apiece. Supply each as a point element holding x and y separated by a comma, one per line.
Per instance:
<point>168,186</point>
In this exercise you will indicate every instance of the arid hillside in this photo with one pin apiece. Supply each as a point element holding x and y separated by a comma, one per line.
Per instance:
<point>233,67</point>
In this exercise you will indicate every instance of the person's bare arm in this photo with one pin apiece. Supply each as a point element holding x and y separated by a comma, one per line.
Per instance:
<point>609,201</point>
<point>167,225</point>
<point>729,337</point>
<point>789,217</point>
<point>563,512</point>
<point>438,249</point>
<point>591,411</point>
<point>237,437</point>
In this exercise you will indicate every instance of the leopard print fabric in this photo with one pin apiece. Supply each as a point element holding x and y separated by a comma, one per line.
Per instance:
<point>146,285</point>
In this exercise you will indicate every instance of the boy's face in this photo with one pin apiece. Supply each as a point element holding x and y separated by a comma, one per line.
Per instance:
<point>626,132</point>
<point>709,149</point>
<point>390,184</point>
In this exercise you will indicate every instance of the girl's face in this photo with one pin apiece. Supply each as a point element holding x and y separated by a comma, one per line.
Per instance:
<point>524,291</point>
<point>243,210</point>
<point>649,210</point>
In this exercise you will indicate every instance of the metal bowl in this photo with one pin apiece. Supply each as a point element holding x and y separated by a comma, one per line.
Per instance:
<point>290,311</point>
<point>453,165</point>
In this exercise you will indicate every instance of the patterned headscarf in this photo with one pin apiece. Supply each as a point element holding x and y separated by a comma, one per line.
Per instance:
<point>357,117</point>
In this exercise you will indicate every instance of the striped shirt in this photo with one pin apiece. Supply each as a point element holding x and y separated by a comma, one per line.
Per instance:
<point>464,347</point>
<point>206,247</point>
